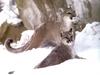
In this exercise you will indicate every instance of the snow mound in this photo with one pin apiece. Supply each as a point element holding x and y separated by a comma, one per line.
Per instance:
<point>87,42</point>
<point>87,45</point>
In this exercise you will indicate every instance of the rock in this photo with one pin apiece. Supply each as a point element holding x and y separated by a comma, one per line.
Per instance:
<point>3,29</point>
<point>10,31</point>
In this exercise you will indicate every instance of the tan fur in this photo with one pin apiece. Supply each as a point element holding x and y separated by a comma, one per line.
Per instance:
<point>51,31</point>
<point>47,32</point>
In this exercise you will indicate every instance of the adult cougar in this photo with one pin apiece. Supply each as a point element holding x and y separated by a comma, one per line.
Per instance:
<point>47,32</point>
<point>51,31</point>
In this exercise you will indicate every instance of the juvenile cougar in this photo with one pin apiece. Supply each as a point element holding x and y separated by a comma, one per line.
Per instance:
<point>58,55</point>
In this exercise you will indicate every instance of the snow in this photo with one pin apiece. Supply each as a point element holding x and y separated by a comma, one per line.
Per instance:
<point>22,61</point>
<point>87,45</point>
<point>8,15</point>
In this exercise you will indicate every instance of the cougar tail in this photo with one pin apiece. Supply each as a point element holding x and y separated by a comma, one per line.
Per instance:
<point>15,50</point>
<point>34,42</point>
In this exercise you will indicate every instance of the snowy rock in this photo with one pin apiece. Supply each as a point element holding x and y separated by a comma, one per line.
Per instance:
<point>8,14</point>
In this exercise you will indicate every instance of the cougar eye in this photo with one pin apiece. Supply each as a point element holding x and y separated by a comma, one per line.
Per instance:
<point>70,30</point>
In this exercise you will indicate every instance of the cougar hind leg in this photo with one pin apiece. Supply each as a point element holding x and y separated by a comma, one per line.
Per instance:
<point>57,56</point>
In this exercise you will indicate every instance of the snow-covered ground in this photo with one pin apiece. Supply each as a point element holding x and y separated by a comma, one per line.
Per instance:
<point>87,45</point>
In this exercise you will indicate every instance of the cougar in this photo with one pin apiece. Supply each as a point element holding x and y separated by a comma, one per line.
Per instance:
<point>47,32</point>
